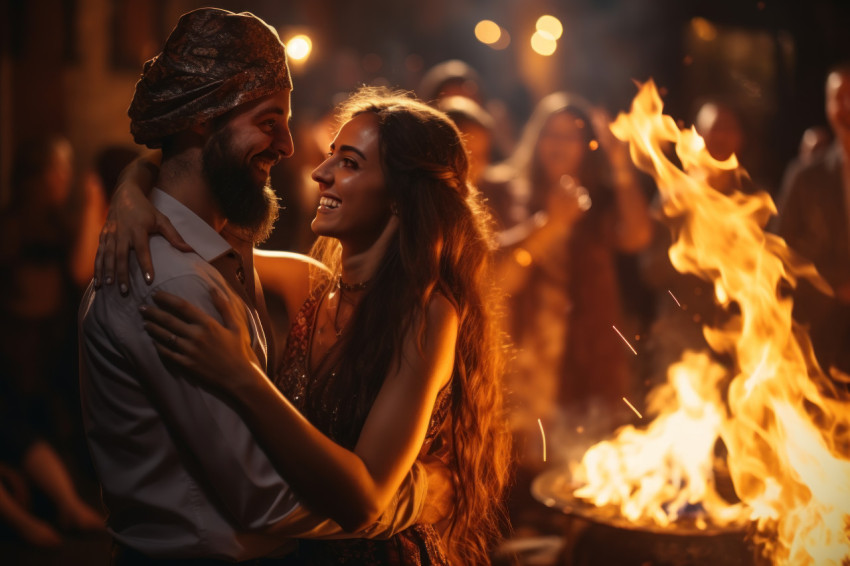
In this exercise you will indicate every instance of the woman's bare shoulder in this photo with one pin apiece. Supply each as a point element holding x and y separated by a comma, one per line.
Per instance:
<point>442,311</point>
<point>288,274</point>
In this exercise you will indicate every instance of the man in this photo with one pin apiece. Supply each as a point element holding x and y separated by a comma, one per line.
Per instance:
<point>814,214</point>
<point>181,475</point>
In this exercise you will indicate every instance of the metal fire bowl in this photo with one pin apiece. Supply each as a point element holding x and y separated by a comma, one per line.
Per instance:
<point>554,489</point>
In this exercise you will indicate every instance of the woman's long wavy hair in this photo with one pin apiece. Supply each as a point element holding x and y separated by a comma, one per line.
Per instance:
<point>443,246</point>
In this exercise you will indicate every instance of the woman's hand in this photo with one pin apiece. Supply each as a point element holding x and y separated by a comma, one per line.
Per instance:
<point>217,355</point>
<point>130,222</point>
<point>615,149</point>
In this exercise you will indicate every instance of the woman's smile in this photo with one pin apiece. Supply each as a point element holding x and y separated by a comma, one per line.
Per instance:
<point>328,203</point>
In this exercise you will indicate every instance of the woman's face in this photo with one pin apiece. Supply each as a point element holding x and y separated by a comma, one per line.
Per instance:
<point>561,147</point>
<point>354,203</point>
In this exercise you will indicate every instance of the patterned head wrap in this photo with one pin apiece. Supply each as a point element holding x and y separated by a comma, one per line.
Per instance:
<point>212,62</point>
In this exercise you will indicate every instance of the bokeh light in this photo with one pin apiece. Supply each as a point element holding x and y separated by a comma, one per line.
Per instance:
<point>488,32</point>
<point>298,48</point>
<point>504,40</point>
<point>550,25</point>
<point>704,29</point>
<point>543,43</point>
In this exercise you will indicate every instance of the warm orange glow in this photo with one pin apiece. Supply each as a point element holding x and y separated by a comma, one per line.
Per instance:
<point>299,47</point>
<point>487,31</point>
<point>522,257</point>
<point>786,431</point>
<point>543,43</point>
<point>550,25</point>
<point>704,29</point>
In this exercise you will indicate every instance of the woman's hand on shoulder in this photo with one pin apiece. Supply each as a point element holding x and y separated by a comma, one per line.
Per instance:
<point>129,224</point>
<point>218,355</point>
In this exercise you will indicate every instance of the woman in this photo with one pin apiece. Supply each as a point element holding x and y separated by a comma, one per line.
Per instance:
<point>570,209</point>
<point>392,353</point>
<point>570,205</point>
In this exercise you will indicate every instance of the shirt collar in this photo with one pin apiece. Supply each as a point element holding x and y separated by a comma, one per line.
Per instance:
<point>206,242</point>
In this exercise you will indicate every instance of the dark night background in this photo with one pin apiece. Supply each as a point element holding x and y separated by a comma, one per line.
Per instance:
<point>69,66</point>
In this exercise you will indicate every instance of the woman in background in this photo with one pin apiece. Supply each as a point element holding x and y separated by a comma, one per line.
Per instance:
<point>572,215</point>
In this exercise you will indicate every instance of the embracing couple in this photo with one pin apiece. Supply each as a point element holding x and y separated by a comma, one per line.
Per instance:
<point>379,437</point>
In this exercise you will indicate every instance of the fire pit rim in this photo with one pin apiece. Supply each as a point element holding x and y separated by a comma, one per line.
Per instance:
<point>553,489</point>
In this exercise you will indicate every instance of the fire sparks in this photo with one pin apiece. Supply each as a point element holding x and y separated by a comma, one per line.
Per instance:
<point>624,339</point>
<point>543,436</point>
<point>678,304</point>
<point>632,407</point>
<point>770,419</point>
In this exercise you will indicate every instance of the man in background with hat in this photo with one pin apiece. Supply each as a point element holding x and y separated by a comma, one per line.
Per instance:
<point>181,475</point>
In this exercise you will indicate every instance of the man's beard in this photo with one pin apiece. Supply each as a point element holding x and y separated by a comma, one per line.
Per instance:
<point>243,201</point>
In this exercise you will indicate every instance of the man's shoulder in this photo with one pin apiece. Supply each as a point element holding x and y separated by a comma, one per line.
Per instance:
<point>183,273</point>
<point>170,263</point>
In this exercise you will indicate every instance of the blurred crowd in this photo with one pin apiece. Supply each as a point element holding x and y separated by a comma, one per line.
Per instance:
<point>581,257</point>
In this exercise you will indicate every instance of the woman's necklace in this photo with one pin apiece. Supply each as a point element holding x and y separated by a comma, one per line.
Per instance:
<point>350,287</point>
<point>340,293</point>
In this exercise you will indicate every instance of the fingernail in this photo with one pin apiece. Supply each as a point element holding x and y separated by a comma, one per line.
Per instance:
<point>143,308</point>
<point>148,277</point>
<point>96,282</point>
<point>123,288</point>
<point>108,280</point>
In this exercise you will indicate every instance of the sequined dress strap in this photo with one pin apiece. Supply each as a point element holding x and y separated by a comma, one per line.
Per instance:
<point>294,374</point>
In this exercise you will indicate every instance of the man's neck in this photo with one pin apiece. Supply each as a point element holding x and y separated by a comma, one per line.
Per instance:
<point>182,178</point>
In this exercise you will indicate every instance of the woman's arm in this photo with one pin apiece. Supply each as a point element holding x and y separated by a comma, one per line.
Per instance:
<point>288,275</point>
<point>130,222</point>
<point>535,239</point>
<point>351,487</point>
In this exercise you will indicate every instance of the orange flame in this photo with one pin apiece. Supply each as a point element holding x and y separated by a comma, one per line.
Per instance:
<point>785,429</point>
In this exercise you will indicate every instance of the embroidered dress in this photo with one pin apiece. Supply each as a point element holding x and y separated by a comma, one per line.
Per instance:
<point>417,545</point>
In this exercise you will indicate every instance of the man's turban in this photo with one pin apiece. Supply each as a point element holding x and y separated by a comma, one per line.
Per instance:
<point>212,62</point>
